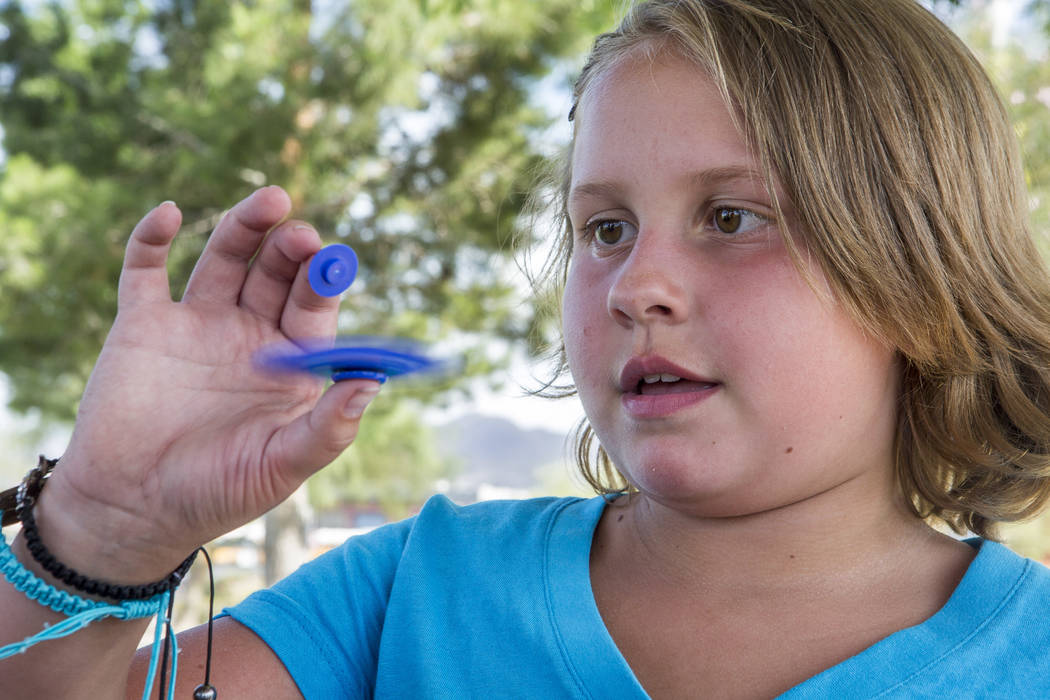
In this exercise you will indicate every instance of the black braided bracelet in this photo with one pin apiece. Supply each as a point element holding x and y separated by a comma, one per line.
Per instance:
<point>26,499</point>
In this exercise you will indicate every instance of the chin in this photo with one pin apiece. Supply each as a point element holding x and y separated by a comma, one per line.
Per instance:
<point>675,479</point>
<point>707,484</point>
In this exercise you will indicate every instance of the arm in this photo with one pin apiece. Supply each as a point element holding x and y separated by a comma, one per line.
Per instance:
<point>242,665</point>
<point>178,437</point>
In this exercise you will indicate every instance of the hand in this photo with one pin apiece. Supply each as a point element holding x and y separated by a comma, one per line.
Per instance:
<point>179,437</point>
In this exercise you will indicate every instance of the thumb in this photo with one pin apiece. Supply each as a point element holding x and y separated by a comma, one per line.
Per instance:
<point>316,438</point>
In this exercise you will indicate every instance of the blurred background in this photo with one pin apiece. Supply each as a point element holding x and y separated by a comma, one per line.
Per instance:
<point>414,131</point>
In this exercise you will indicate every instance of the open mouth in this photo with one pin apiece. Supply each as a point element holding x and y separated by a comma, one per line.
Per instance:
<point>656,388</point>
<point>659,384</point>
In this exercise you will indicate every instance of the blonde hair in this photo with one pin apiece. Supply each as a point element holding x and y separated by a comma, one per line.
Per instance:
<point>898,156</point>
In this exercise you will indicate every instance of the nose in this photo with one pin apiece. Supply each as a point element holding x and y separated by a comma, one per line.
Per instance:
<point>651,284</point>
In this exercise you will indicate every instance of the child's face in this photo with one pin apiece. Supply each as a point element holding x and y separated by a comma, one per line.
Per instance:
<point>678,269</point>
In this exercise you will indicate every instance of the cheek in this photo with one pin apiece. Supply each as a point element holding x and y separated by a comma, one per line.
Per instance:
<point>804,364</point>
<point>576,311</point>
<point>582,306</point>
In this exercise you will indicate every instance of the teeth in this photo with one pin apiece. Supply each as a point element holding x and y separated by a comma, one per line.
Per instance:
<point>654,378</point>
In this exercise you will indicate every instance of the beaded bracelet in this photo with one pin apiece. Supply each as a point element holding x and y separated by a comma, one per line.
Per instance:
<point>26,497</point>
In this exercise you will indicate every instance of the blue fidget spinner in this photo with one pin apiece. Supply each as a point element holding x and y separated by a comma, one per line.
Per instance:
<point>355,357</point>
<point>331,272</point>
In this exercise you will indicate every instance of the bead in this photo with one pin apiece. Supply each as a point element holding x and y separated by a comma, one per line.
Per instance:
<point>205,692</point>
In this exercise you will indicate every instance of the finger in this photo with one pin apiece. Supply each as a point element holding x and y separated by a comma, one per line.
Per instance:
<point>223,266</point>
<point>270,277</point>
<point>306,313</point>
<point>144,276</point>
<point>314,439</point>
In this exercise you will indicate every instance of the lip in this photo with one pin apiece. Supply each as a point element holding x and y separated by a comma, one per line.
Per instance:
<point>638,367</point>
<point>642,406</point>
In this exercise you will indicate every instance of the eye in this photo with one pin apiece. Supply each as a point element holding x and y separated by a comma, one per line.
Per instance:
<point>610,232</point>
<point>733,220</point>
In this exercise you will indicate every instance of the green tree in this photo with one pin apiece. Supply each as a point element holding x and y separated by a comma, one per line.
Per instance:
<point>404,127</point>
<point>374,472</point>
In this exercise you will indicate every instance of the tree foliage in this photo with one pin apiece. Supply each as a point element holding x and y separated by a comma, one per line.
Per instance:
<point>374,470</point>
<point>1019,68</point>
<point>403,127</point>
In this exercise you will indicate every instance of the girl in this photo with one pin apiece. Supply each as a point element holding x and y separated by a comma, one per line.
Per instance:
<point>805,318</point>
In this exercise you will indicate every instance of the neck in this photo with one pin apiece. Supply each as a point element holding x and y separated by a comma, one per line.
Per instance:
<point>849,538</point>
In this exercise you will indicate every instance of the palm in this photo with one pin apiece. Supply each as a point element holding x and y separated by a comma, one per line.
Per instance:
<point>180,427</point>
<point>183,396</point>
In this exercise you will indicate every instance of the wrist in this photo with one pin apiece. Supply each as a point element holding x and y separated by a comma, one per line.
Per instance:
<point>86,584</point>
<point>95,541</point>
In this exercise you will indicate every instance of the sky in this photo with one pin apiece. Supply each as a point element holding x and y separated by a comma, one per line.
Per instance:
<point>512,402</point>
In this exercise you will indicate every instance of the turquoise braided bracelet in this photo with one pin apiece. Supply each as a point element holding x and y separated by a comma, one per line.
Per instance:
<point>67,603</point>
<point>80,612</point>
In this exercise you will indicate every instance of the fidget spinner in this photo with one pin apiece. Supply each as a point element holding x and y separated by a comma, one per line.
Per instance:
<point>352,357</point>
<point>331,272</point>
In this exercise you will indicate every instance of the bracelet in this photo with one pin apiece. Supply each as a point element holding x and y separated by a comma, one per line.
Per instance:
<point>80,612</point>
<point>9,498</point>
<point>26,496</point>
<point>64,603</point>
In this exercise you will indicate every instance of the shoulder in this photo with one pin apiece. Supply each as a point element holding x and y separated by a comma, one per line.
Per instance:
<point>326,620</point>
<point>1020,584</point>
<point>444,529</point>
<point>1006,595</point>
<point>1028,601</point>
<point>497,515</point>
<point>1009,599</point>
<point>988,641</point>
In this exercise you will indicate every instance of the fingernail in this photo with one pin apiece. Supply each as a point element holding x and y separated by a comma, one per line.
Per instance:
<point>166,201</point>
<point>359,402</point>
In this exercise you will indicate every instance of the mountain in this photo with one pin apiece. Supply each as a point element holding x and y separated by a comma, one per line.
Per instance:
<point>491,450</point>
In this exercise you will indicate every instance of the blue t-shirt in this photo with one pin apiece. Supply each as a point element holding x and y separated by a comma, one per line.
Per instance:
<point>494,600</point>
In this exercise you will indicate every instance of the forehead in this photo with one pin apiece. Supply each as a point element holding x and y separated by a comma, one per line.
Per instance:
<point>655,115</point>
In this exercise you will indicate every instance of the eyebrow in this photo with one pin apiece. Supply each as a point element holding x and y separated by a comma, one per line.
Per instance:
<point>701,178</point>
<point>731,173</point>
